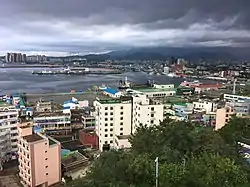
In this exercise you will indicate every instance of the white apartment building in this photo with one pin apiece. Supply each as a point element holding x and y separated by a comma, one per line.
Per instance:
<point>207,106</point>
<point>113,118</point>
<point>237,98</point>
<point>8,131</point>
<point>146,111</point>
<point>117,119</point>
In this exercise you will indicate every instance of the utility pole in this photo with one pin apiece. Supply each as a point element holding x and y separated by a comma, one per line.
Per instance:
<point>156,171</point>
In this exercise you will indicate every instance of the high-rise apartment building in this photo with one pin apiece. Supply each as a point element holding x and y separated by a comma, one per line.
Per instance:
<point>113,118</point>
<point>39,158</point>
<point>116,119</point>
<point>15,57</point>
<point>8,132</point>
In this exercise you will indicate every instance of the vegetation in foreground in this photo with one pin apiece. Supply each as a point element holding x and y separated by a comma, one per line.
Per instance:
<point>189,156</point>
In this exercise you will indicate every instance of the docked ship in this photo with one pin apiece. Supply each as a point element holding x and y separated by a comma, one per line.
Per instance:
<point>124,84</point>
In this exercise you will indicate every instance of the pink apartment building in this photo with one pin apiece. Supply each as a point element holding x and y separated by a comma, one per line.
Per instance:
<point>223,116</point>
<point>39,158</point>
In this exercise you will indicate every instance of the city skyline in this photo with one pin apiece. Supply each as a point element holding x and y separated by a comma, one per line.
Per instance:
<point>65,27</point>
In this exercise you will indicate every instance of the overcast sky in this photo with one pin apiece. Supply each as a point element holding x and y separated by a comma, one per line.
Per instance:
<point>61,27</point>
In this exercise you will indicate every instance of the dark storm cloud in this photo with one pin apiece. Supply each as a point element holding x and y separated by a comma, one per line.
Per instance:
<point>83,25</point>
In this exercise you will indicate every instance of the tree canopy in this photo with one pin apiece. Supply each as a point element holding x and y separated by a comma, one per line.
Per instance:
<point>189,156</point>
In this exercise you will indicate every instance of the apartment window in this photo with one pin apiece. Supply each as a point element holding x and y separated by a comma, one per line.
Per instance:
<point>14,146</point>
<point>106,142</point>
<point>111,119</point>
<point>121,118</point>
<point>111,108</point>
<point>106,108</point>
<point>45,151</point>
<point>152,109</point>
<point>226,120</point>
<point>111,113</point>
<point>111,130</point>
<point>111,141</point>
<point>121,107</point>
<point>46,143</point>
<point>106,135</point>
<point>111,135</point>
<point>14,128</point>
<point>121,134</point>
<point>106,113</point>
<point>106,130</point>
<point>106,119</point>
<point>152,115</point>
<point>152,121</point>
<point>227,115</point>
<point>121,123</point>
<point>46,158</point>
<point>111,124</point>
<point>121,113</point>
<point>46,166</point>
<point>232,110</point>
<point>106,124</point>
<point>227,110</point>
<point>47,174</point>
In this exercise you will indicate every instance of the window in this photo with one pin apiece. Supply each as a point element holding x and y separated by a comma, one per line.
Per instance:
<point>152,121</point>
<point>111,108</point>
<point>106,108</point>
<point>152,115</point>
<point>106,130</point>
<point>47,174</point>
<point>121,129</point>
<point>46,166</point>
<point>226,120</point>
<point>46,158</point>
<point>45,151</point>
<point>111,135</point>
<point>106,119</point>
<point>121,107</point>
<point>106,124</point>
<point>227,115</point>
<point>111,141</point>
<point>111,119</point>
<point>106,113</point>
<point>152,109</point>
<point>111,113</point>
<point>111,130</point>
<point>121,113</point>
<point>106,142</point>
<point>46,143</point>
<point>106,135</point>
<point>121,134</point>
<point>121,123</point>
<point>121,118</point>
<point>111,124</point>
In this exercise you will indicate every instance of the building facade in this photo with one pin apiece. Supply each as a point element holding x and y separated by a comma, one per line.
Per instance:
<point>8,132</point>
<point>223,116</point>
<point>39,158</point>
<point>113,117</point>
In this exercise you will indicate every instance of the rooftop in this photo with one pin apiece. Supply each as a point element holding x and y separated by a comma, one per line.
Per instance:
<point>114,101</point>
<point>154,90</point>
<point>111,91</point>
<point>32,138</point>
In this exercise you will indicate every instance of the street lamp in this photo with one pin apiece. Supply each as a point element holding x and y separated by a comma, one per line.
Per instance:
<point>156,171</point>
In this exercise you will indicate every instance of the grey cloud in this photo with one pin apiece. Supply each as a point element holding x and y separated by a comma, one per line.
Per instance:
<point>94,25</point>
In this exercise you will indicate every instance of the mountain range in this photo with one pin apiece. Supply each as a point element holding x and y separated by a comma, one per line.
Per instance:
<point>164,53</point>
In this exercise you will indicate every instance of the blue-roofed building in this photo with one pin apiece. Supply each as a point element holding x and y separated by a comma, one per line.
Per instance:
<point>112,92</point>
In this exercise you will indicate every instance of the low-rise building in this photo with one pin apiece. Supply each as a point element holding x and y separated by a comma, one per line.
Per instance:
<point>205,105</point>
<point>44,106</point>
<point>155,92</point>
<point>52,120</point>
<point>223,116</point>
<point>112,93</point>
<point>39,158</point>
<point>122,142</point>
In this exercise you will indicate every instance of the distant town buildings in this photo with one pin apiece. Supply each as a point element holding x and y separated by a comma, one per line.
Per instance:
<point>22,58</point>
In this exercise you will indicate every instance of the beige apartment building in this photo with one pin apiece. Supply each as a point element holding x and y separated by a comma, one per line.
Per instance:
<point>146,111</point>
<point>223,116</point>
<point>39,158</point>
